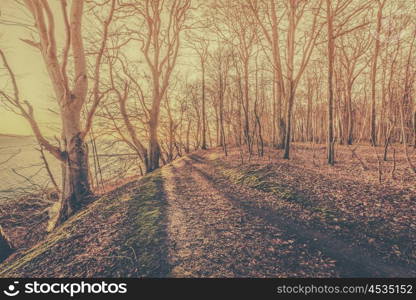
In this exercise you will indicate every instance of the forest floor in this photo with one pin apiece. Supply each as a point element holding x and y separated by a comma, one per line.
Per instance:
<point>274,218</point>
<point>208,215</point>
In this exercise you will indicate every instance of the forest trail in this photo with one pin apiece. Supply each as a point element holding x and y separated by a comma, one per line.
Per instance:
<point>212,233</point>
<point>205,215</point>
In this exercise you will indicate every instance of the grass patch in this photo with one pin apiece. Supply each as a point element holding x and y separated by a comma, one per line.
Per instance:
<point>147,217</point>
<point>256,177</point>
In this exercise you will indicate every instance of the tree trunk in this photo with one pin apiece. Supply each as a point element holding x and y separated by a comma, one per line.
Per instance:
<point>6,248</point>
<point>309,119</point>
<point>204,130</point>
<point>274,115</point>
<point>247,106</point>
<point>221,113</point>
<point>171,140</point>
<point>76,191</point>
<point>350,127</point>
<point>373,134</point>
<point>414,129</point>
<point>404,136</point>
<point>154,148</point>
<point>278,77</point>
<point>288,130</point>
<point>331,52</point>
<point>188,133</point>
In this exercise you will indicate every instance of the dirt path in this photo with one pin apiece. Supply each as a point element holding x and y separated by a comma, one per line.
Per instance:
<point>212,235</point>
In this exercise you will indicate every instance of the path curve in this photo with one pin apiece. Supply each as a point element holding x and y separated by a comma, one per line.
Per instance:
<point>209,236</point>
<point>213,234</point>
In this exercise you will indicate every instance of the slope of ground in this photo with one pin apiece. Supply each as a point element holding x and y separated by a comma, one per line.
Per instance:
<point>206,215</point>
<point>24,220</point>
<point>120,235</point>
<point>227,225</point>
<point>211,236</point>
<point>378,219</point>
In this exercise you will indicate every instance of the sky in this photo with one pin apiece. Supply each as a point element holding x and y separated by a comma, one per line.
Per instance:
<point>33,82</point>
<point>27,63</point>
<point>32,77</point>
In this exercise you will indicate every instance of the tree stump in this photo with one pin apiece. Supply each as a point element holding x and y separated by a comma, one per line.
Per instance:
<point>6,247</point>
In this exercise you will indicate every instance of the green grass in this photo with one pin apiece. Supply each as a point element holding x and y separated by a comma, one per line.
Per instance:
<point>147,217</point>
<point>257,178</point>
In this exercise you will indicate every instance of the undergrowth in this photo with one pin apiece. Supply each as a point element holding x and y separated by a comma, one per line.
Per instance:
<point>122,234</point>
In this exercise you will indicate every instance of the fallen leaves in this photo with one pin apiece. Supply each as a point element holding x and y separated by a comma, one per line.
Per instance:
<point>239,244</point>
<point>349,203</point>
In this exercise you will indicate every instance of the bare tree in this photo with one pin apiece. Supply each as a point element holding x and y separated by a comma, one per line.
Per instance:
<point>377,45</point>
<point>201,45</point>
<point>159,36</point>
<point>71,89</point>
